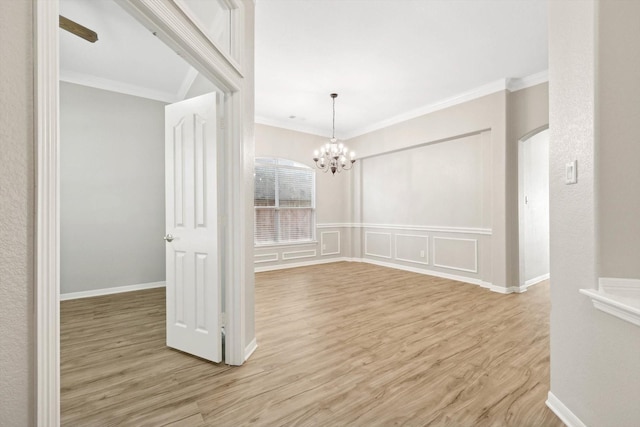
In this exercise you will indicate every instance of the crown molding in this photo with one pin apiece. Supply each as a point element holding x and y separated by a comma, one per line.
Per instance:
<point>290,125</point>
<point>479,92</point>
<point>511,85</point>
<point>115,86</point>
<point>514,85</point>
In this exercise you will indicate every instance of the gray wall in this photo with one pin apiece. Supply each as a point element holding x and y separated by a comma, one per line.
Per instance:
<point>535,187</point>
<point>111,189</point>
<point>594,356</point>
<point>17,204</point>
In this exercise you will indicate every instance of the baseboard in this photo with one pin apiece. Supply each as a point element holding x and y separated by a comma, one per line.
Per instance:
<point>562,412</point>
<point>535,280</point>
<point>299,264</point>
<point>470,280</point>
<point>109,291</point>
<point>248,351</point>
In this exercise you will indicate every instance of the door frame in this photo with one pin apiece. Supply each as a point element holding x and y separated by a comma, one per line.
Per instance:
<point>165,19</point>
<point>521,213</point>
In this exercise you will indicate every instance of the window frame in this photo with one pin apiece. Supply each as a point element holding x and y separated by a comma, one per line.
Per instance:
<point>282,163</point>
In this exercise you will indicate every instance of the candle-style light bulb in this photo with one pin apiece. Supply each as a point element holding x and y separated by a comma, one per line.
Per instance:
<point>353,155</point>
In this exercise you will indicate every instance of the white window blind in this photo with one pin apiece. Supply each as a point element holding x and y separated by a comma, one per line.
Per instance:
<point>284,201</point>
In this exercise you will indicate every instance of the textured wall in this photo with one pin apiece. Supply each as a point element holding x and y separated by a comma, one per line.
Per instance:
<point>16,215</point>
<point>112,208</point>
<point>594,356</point>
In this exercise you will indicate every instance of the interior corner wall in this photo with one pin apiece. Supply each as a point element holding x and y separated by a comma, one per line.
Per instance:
<point>248,152</point>
<point>477,130</point>
<point>527,113</point>
<point>333,211</point>
<point>17,222</point>
<point>618,135</point>
<point>112,209</point>
<point>594,356</point>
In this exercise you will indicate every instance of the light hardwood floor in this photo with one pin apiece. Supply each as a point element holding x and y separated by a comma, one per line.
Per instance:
<point>344,344</point>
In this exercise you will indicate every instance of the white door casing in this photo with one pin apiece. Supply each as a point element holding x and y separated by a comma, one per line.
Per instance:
<point>193,280</point>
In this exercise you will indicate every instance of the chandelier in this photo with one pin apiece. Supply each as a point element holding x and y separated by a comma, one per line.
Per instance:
<point>333,156</point>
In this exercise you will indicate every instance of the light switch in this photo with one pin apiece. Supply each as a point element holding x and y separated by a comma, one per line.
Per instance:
<point>571,172</point>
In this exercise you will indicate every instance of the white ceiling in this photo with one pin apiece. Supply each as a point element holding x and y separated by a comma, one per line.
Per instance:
<point>126,58</point>
<point>388,60</point>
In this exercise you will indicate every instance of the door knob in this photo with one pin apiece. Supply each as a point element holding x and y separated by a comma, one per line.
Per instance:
<point>168,238</point>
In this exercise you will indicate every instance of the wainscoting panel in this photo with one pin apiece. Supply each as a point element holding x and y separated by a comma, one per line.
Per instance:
<point>299,254</point>
<point>377,244</point>
<point>412,248</point>
<point>329,243</point>
<point>259,258</point>
<point>455,253</point>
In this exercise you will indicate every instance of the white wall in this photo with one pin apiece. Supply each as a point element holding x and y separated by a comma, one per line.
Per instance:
<point>112,206</point>
<point>594,356</point>
<point>535,205</point>
<point>17,207</point>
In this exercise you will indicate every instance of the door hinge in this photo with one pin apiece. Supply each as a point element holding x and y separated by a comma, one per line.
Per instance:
<point>221,124</point>
<point>223,319</point>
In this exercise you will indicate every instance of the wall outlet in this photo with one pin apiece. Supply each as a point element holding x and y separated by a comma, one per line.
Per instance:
<point>422,254</point>
<point>324,247</point>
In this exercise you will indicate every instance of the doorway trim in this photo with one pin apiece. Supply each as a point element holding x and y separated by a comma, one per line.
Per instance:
<point>181,35</point>
<point>521,243</point>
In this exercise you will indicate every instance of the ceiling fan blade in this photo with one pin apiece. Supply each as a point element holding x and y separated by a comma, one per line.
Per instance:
<point>78,30</point>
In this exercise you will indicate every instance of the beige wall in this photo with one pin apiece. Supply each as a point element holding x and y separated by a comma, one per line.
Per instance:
<point>527,112</point>
<point>332,201</point>
<point>488,113</point>
<point>248,92</point>
<point>619,136</point>
<point>331,191</point>
<point>17,371</point>
<point>594,356</point>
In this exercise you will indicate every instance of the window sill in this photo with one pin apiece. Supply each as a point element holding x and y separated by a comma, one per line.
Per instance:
<point>618,297</point>
<point>284,244</point>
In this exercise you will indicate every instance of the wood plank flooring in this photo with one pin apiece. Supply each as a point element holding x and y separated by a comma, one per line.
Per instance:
<point>344,344</point>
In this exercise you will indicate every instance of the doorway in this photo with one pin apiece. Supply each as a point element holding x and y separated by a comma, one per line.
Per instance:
<point>188,41</point>
<point>533,208</point>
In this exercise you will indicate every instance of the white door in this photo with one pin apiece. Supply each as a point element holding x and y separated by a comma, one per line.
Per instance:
<point>535,152</point>
<point>193,285</point>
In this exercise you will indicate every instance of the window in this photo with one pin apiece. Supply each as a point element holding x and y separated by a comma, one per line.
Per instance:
<point>284,201</point>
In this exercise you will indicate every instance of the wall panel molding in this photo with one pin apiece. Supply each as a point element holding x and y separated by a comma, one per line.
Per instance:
<point>431,228</point>
<point>322,243</point>
<point>453,267</point>
<point>299,254</point>
<point>366,244</point>
<point>259,258</point>
<point>414,236</point>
